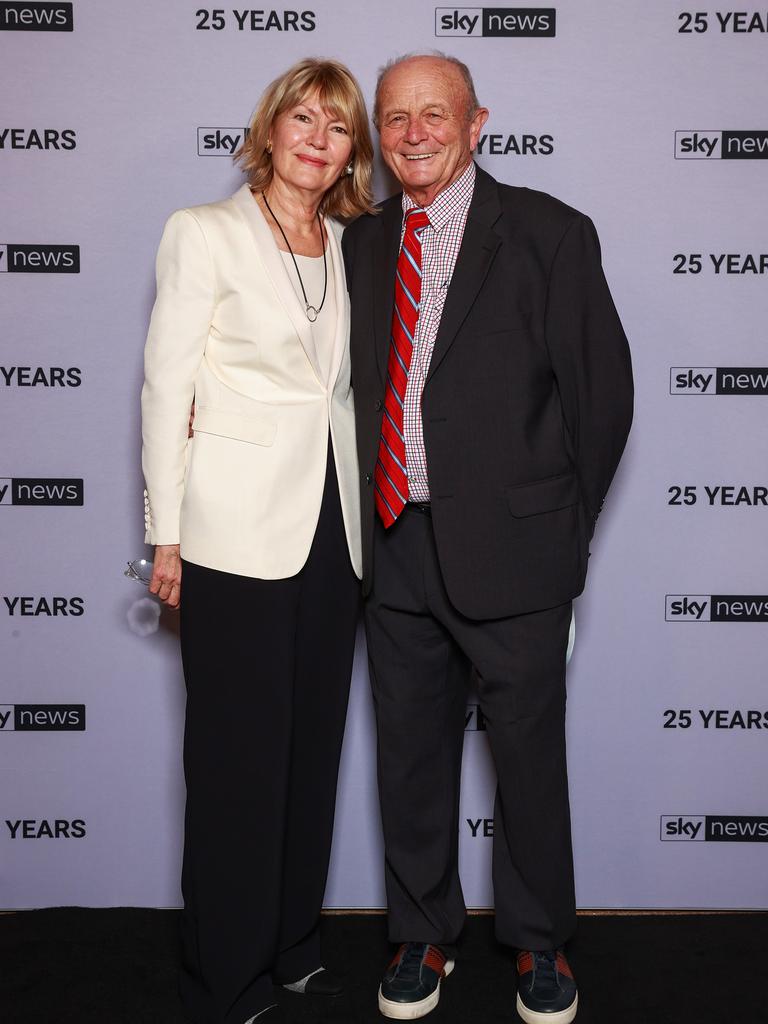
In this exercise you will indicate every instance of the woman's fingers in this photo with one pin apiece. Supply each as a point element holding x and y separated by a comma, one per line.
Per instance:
<point>169,592</point>
<point>166,579</point>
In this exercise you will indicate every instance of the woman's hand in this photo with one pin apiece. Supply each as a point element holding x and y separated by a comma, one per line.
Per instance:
<point>166,574</point>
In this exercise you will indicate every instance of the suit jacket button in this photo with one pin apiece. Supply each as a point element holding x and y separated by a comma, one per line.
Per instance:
<point>377,404</point>
<point>368,478</point>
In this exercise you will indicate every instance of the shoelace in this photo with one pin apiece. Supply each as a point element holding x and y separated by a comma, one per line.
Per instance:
<point>411,960</point>
<point>545,967</point>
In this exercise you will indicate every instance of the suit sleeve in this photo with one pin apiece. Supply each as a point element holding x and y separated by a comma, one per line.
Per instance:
<point>591,361</point>
<point>178,333</point>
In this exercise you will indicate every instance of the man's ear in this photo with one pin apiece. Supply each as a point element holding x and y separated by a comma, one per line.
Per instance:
<point>476,125</point>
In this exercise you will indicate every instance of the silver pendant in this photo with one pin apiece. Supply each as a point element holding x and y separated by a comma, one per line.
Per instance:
<point>312,314</point>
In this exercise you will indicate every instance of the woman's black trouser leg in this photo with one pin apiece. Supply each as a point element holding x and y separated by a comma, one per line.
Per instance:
<point>327,615</point>
<point>265,718</point>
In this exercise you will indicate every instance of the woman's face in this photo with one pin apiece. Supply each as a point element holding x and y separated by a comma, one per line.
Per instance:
<point>310,148</point>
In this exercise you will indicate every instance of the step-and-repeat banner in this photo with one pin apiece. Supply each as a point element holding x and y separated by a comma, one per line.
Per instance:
<point>649,116</point>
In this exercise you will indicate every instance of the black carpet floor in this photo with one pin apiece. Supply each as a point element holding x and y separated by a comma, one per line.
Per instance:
<point>77,966</point>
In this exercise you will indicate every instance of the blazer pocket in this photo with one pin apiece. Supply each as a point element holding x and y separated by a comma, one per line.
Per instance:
<point>252,429</point>
<point>549,495</point>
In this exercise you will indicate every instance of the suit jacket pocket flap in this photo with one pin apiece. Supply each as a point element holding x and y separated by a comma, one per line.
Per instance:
<point>549,495</point>
<point>235,425</point>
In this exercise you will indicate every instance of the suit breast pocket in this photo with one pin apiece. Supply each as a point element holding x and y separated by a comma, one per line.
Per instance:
<point>499,321</point>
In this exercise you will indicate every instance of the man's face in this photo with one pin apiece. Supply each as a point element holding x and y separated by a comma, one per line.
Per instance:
<point>427,137</point>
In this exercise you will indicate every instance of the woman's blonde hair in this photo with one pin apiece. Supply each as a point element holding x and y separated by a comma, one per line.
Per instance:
<point>340,96</point>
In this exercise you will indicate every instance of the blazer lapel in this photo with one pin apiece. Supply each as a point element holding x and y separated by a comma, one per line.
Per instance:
<point>385,252</point>
<point>478,248</point>
<point>273,264</point>
<point>342,300</point>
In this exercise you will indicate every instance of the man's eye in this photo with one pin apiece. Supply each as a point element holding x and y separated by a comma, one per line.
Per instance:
<point>396,119</point>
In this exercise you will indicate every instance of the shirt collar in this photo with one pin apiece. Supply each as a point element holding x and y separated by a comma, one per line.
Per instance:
<point>449,203</point>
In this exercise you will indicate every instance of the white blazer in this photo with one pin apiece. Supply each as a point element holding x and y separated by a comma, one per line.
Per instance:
<point>242,496</point>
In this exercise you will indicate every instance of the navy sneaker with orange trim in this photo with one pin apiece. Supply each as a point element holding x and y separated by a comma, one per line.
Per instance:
<point>546,991</point>
<point>410,987</point>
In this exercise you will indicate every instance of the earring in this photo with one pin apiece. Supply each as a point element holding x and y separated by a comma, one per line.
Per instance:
<point>349,168</point>
<point>269,146</point>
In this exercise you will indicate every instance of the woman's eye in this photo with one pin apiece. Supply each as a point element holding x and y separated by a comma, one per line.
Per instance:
<point>340,128</point>
<point>302,117</point>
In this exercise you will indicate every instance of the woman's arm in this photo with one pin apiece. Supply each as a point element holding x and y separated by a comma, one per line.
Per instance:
<point>178,333</point>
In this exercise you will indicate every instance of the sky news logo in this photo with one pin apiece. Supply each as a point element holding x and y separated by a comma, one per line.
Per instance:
<point>42,717</point>
<point>718,380</point>
<point>496,22</point>
<point>39,259</point>
<point>716,608</point>
<point>220,141</point>
<point>20,16</point>
<point>713,828</point>
<point>41,491</point>
<point>721,145</point>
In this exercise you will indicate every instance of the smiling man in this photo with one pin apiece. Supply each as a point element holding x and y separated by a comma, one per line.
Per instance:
<point>493,398</point>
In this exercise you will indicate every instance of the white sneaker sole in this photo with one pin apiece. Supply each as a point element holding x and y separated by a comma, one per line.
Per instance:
<point>560,1017</point>
<point>412,1011</point>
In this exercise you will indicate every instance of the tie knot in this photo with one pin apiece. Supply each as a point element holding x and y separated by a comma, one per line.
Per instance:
<point>415,220</point>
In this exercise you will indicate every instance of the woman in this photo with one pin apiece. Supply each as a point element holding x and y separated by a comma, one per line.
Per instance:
<point>258,516</point>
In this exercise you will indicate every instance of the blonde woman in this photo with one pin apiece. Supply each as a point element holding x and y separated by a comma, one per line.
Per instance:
<point>255,522</point>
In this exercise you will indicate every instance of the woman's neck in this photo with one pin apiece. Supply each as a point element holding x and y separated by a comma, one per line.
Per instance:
<point>296,210</point>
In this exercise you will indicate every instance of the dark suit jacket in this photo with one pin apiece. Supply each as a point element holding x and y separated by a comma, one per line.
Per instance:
<point>527,404</point>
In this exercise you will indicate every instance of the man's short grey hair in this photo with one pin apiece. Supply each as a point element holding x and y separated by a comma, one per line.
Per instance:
<point>466,75</point>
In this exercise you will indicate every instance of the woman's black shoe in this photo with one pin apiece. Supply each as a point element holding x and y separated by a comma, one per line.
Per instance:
<point>272,1015</point>
<point>321,983</point>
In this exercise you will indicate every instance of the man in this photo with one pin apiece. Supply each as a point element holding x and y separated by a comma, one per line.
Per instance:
<point>493,396</point>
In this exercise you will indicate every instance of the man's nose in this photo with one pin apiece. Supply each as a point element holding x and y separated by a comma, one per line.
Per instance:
<point>415,132</point>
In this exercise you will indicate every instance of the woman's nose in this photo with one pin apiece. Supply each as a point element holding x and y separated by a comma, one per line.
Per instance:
<point>319,137</point>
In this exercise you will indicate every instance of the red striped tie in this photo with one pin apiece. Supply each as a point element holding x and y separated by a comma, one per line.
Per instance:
<point>390,476</point>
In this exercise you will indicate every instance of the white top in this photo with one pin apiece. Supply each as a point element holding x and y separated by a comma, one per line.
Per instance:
<point>324,328</point>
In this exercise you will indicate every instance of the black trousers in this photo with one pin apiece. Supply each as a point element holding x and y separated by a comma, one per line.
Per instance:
<point>421,651</point>
<point>267,665</point>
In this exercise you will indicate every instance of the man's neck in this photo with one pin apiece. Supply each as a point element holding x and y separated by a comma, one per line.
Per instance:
<point>425,197</point>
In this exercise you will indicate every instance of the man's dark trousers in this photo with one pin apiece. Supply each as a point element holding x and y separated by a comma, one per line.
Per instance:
<point>420,650</point>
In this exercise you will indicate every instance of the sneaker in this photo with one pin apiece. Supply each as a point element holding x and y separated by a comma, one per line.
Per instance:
<point>546,991</point>
<point>411,984</point>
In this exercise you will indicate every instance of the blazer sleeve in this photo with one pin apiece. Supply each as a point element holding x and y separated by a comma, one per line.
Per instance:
<point>591,360</point>
<point>178,333</point>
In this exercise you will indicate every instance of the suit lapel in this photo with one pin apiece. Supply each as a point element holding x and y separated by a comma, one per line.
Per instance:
<point>273,264</point>
<point>384,264</point>
<point>342,300</point>
<point>478,248</point>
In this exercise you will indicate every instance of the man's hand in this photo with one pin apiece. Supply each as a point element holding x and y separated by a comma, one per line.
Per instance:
<point>166,574</point>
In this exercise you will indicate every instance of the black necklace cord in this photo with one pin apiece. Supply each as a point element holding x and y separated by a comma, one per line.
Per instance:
<point>307,306</point>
